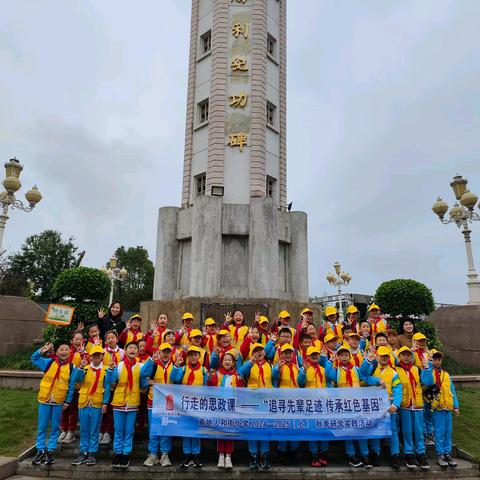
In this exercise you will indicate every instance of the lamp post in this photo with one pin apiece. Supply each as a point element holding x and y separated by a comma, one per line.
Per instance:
<point>115,272</point>
<point>12,184</point>
<point>462,215</point>
<point>339,279</point>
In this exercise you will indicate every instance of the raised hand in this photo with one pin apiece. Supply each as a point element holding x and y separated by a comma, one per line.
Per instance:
<point>304,323</point>
<point>425,363</point>
<point>46,348</point>
<point>257,317</point>
<point>217,350</point>
<point>178,359</point>
<point>101,313</point>
<point>128,324</point>
<point>281,363</point>
<point>274,337</point>
<point>156,356</point>
<point>228,318</point>
<point>153,324</point>
<point>80,326</point>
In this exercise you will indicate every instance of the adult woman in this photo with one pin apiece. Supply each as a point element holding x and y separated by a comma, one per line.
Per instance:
<point>111,320</point>
<point>407,326</point>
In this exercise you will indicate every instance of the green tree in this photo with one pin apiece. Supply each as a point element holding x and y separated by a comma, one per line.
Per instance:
<point>41,258</point>
<point>404,297</point>
<point>11,283</point>
<point>138,286</point>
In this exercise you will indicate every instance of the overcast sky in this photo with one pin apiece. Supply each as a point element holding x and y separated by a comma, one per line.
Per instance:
<point>383,109</point>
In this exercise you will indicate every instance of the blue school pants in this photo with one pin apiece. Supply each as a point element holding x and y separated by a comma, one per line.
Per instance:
<point>124,425</point>
<point>156,442</point>
<point>394,442</point>
<point>191,446</point>
<point>283,446</point>
<point>90,421</point>
<point>313,446</point>
<point>442,422</point>
<point>255,446</point>
<point>48,414</point>
<point>350,448</point>
<point>411,422</point>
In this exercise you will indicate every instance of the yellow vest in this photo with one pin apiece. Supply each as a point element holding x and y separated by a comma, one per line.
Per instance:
<point>285,380</point>
<point>313,380</point>
<point>159,377</point>
<point>336,330</point>
<point>386,375</point>
<point>84,397</point>
<point>210,341</point>
<point>122,395</point>
<point>54,391</point>
<point>445,401</point>
<point>115,357</point>
<point>410,398</point>
<point>131,336</point>
<point>198,380</point>
<point>254,379</point>
<point>342,378</point>
<point>242,332</point>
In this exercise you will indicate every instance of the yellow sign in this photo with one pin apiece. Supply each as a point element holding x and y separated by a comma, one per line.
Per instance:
<point>240,29</point>
<point>59,315</point>
<point>237,140</point>
<point>239,100</point>
<point>239,64</point>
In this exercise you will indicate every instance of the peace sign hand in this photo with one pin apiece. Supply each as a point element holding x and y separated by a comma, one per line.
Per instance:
<point>101,313</point>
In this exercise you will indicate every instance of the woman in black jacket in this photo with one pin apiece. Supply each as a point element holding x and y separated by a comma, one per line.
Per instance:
<point>111,320</point>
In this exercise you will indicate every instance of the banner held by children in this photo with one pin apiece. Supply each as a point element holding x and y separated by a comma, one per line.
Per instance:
<point>271,414</point>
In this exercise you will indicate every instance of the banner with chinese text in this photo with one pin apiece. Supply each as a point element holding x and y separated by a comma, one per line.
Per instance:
<point>270,414</point>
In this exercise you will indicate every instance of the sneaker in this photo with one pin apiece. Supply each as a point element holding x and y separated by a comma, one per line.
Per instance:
<point>221,461</point>
<point>106,439</point>
<point>69,438</point>
<point>394,462</point>
<point>354,462</point>
<point>197,463</point>
<point>165,460</point>
<point>186,461</point>
<point>441,461</point>
<point>116,461</point>
<point>450,461</point>
<point>49,460</point>
<point>253,463</point>
<point>316,461</point>
<point>91,460</point>
<point>423,462</point>
<point>375,459</point>
<point>429,440</point>
<point>151,460</point>
<point>228,462</point>
<point>100,437</point>
<point>322,457</point>
<point>366,462</point>
<point>411,461</point>
<point>38,458</point>
<point>264,462</point>
<point>62,437</point>
<point>125,461</point>
<point>82,458</point>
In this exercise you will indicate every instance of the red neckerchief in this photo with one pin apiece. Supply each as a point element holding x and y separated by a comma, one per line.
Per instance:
<point>356,359</point>
<point>57,373</point>
<point>144,357</point>
<point>413,382</point>
<point>71,356</point>
<point>348,370</point>
<point>135,334</point>
<point>210,339</point>
<point>97,371</point>
<point>165,369</point>
<point>231,372</point>
<point>421,352</point>
<point>128,365</point>
<point>235,334</point>
<point>191,375</point>
<point>260,371</point>
<point>438,376</point>
<point>113,354</point>
<point>224,350</point>
<point>292,374</point>
<point>318,370</point>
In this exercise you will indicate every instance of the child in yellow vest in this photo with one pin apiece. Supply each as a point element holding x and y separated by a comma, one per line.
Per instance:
<point>346,375</point>
<point>224,345</point>
<point>196,339</point>
<point>191,374</point>
<point>275,343</point>
<point>182,335</point>
<point>353,344</point>
<point>411,408</point>
<point>378,366</point>
<point>253,336</point>
<point>94,396</point>
<point>445,402</point>
<point>54,394</point>
<point>284,375</point>
<point>332,326</point>
<point>133,332</point>
<point>312,375</point>
<point>125,403</point>
<point>381,341</point>
<point>258,374</point>
<point>237,328</point>
<point>157,370</point>
<point>209,335</point>
<point>377,323</point>
<point>93,332</point>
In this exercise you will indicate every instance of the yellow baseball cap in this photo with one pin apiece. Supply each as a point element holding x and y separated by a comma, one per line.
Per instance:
<point>286,346</point>
<point>263,319</point>
<point>419,336</point>
<point>223,332</point>
<point>343,349</point>
<point>193,348</point>
<point>383,351</point>
<point>373,306</point>
<point>404,349</point>
<point>187,315</point>
<point>209,321</point>
<point>97,349</point>
<point>195,332</point>
<point>330,337</point>
<point>352,309</point>
<point>307,310</point>
<point>284,314</point>
<point>311,350</point>
<point>256,346</point>
<point>330,311</point>
<point>165,346</point>
<point>136,315</point>
<point>434,352</point>
<point>353,334</point>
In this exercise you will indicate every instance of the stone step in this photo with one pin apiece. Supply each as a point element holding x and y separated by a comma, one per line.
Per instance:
<point>336,471</point>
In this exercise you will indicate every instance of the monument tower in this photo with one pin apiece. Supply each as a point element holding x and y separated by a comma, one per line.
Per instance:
<point>233,236</point>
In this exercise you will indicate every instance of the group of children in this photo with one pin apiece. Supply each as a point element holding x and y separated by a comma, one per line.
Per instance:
<point>110,388</point>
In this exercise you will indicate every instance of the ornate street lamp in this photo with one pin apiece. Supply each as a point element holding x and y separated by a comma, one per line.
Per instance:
<point>339,279</point>
<point>462,214</point>
<point>115,272</point>
<point>12,184</point>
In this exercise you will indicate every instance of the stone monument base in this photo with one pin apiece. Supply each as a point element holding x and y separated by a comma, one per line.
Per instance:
<point>202,308</point>
<point>458,331</point>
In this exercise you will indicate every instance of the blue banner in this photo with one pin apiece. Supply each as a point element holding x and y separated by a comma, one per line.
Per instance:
<point>270,413</point>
